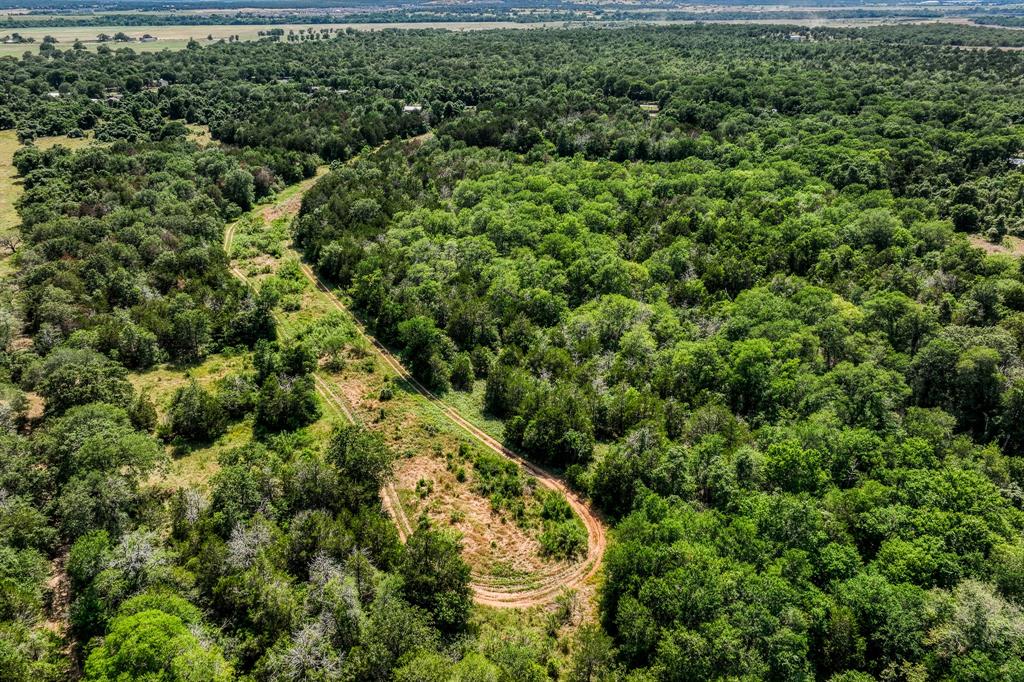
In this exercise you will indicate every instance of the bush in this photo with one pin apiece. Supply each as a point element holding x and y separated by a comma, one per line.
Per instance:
<point>563,540</point>
<point>965,217</point>
<point>237,395</point>
<point>564,537</point>
<point>142,412</point>
<point>286,403</point>
<point>463,375</point>
<point>195,414</point>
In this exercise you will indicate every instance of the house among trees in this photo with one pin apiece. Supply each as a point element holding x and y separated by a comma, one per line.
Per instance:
<point>650,108</point>
<point>412,109</point>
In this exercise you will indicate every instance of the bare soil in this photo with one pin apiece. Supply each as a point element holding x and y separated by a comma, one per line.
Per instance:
<point>1012,246</point>
<point>508,570</point>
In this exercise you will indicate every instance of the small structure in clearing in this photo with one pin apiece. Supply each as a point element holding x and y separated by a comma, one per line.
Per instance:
<point>650,108</point>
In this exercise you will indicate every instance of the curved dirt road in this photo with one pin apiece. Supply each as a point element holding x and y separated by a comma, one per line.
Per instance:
<point>551,585</point>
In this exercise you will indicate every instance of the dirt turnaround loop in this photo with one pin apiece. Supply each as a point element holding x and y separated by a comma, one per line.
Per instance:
<point>551,585</point>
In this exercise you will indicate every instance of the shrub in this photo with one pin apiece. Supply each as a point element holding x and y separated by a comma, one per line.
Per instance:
<point>462,372</point>
<point>196,414</point>
<point>563,540</point>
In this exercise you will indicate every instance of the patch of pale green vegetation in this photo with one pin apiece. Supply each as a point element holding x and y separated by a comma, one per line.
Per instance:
<point>196,467</point>
<point>160,383</point>
<point>470,404</point>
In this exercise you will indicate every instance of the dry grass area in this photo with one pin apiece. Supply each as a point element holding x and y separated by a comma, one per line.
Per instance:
<point>177,37</point>
<point>10,186</point>
<point>500,552</point>
<point>288,201</point>
<point>200,134</point>
<point>1010,246</point>
<point>497,549</point>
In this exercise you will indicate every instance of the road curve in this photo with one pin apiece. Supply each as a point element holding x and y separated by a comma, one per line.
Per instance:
<point>573,576</point>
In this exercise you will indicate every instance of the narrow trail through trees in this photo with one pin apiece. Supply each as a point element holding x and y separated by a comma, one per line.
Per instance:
<point>549,585</point>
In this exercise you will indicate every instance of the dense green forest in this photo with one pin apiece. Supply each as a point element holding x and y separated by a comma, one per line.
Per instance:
<point>729,283</point>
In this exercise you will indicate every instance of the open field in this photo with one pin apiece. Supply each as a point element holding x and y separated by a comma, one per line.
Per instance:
<point>194,467</point>
<point>1012,246</point>
<point>177,37</point>
<point>471,405</point>
<point>10,187</point>
<point>161,382</point>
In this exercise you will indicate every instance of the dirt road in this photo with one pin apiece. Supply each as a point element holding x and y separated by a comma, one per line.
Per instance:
<point>551,585</point>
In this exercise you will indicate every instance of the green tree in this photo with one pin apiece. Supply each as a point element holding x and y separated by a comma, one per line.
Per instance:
<point>239,187</point>
<point>286,403</point>
<point>195,414</point>
<point>437,578</point>
<point>593,655</point>
<point>425,351</point>
<point>76,377</point>
<point>363,461</point>
<point>463,376</point>
<point>154,644</point>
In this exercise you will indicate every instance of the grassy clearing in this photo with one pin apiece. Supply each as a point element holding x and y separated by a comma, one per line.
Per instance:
<point>200,134</point>
<point>64,140</point>
<point>160,383</point>
<point>195,468</point>
<point>10,186</point>
<point>1010,245</point>
<point>558,620</point>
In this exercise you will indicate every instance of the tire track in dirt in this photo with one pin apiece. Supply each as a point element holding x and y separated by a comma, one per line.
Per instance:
<point>596,536</point>
<point>391,502</point>
<point>551,585</point>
